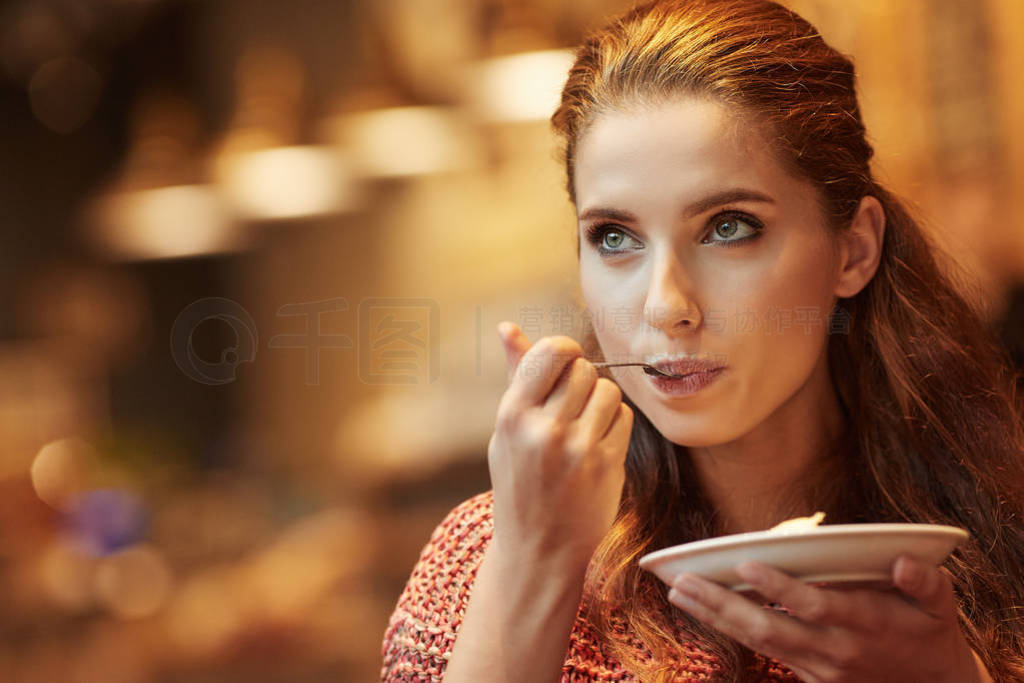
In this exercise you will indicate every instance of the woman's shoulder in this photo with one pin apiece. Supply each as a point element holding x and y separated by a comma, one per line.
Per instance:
<point>422,628</point>
<point>455,549</point>
<point>472,519</point>
<point>449,561</point>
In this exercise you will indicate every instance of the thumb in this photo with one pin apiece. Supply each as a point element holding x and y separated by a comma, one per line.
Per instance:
<point>516,344</point>
<point>930,586</point>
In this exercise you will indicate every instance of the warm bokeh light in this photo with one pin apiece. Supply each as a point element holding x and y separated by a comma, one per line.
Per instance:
<point>67,576</point>
<point>289,182</point>
<point>166,222</point>
<point>134,582</point>
<point>206,612</point>
<point>407,141</point>
<point>64,93</point>
<point>521,87</point>
<point>60,470</point>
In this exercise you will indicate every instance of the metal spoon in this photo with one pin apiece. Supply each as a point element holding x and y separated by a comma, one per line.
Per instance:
<point>603,364</point>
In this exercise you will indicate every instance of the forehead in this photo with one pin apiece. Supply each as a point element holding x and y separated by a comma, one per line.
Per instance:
<point>683,145</point>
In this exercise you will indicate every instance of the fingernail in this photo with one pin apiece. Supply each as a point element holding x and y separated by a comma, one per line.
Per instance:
<point>680,599</point>
<point>751,571</point>
<point>911,571</point>
<point>504,330</point>
<point>689,586</point>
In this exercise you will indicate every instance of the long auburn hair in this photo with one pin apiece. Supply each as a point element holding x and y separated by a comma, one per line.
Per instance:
<point>934,428</point>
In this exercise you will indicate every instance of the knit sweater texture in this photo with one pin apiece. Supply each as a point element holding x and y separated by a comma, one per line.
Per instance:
<point>421,631</point>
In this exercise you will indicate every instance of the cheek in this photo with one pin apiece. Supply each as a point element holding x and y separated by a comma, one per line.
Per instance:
<point>612,304</point>
<point>789,320</point>
<point>777,340</point>
<point>795,303</point>
<point>596,282</point>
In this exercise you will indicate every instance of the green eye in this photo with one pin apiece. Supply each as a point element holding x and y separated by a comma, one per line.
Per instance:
<point>608,240</point>
<point>730,228</point>
<point>726,225</point>
<point>613,239</point>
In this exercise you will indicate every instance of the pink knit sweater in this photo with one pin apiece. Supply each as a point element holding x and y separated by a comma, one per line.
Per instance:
<point>422,629</point>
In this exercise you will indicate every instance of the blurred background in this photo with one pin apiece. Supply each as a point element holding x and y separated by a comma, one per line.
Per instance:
<point>254,253</point>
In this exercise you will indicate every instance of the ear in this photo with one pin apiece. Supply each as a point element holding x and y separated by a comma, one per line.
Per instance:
<point>860,249</point>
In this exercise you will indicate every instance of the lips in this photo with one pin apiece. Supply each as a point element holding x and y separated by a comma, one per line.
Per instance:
<point>682,367</point>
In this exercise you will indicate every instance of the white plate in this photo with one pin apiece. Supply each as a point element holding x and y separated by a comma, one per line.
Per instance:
<point>833,553</point>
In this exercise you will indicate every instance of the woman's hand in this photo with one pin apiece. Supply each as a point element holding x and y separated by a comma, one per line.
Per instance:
<point>557,467</point>
<point>844,635</point>
<point>557,454</point>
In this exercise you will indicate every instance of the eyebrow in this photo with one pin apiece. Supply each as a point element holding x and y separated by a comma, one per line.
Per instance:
<point>707,203</point>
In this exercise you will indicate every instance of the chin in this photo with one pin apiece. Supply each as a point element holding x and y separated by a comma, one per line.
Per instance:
<point>691,439</point>
<point>686,430</point>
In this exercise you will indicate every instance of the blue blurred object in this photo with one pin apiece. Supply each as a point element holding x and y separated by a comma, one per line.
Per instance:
<point>105,520</point>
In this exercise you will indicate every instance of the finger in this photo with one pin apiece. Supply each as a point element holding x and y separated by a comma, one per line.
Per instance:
<point>572,388</point>
<point>764,631</point>
<point>539,369</point>
<point>930,586</point>
<point>601,409</point>
<point>803,600</point>
<point>515,343</point>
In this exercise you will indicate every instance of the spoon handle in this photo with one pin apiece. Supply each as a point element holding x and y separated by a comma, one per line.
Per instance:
<point>603,364</point>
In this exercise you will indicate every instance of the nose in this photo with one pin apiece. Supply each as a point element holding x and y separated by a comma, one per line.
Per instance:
<point>671,304</point>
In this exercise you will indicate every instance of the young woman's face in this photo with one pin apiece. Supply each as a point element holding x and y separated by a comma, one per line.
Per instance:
<point>694,240</point>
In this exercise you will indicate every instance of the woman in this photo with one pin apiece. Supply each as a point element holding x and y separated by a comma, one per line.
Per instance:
<point>717,160</point>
